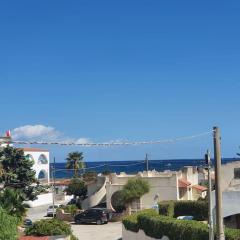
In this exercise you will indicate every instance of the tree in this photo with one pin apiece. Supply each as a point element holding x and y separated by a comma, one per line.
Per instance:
<point>12,200</point>
<point>134,189</point>
<point>77,188</point>
<point>17,173</point>
<point>75,161</point>
<point>89,176</point>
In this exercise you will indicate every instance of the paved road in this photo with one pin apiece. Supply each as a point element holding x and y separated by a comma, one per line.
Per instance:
<point>110,231</point>
<point>37,213</point>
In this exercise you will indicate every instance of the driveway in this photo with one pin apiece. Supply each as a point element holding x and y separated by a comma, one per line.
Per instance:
<point>110,231</point>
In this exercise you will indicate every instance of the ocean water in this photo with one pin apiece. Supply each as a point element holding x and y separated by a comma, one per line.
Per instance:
<point>134,166</point>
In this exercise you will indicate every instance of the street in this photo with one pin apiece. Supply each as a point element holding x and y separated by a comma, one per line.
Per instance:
<point>110,231</point>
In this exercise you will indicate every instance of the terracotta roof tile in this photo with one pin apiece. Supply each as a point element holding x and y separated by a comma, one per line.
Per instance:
<point>200,188</point>
<point>34,150</point>
<point>182,183</point>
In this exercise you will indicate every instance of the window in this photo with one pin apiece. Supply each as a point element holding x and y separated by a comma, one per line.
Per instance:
<point>30,157</point>
<point>42,159</point>
<point>237,173</point>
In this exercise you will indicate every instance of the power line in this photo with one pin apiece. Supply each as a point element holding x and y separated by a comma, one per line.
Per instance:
<point>109,144</point>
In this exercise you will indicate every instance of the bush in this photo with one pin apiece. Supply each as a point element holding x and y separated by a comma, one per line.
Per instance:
<point>134,189</point>
<point>197,209</point>
<point>49,227</point>
<point>8,226</point>
<point>232,234</point>
<point>131,222</point>
<point>72,209</point>
<point>166,208</point>
<point>157,226</point>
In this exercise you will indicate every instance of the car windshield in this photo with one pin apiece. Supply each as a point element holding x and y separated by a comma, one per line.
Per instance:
<point>55,206</point>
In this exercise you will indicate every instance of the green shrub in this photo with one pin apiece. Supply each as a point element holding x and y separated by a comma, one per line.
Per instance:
<point>8,226</point>
<point>72,209</point>
<point>232,234</point>
<point>159,226</point>
<point>131,222</point>
<point>49,227</point>
<point>134,189</point>
<point>166,208</point>
<point>197,209</point>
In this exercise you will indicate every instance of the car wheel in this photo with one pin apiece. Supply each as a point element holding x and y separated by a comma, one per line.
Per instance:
<point>99,222</point>
<point>78,221</point>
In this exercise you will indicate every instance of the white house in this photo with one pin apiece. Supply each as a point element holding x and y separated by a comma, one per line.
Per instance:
<point>40,157</point>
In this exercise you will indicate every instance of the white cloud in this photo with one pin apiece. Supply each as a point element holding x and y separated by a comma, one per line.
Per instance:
<point>83,140</point>
<point>43,133</point>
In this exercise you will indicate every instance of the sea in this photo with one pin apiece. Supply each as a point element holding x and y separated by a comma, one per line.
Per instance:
<point>133,166</point>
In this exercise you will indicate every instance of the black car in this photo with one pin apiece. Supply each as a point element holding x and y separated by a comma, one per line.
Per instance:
<point>27,222</point>
<point>97,215</point>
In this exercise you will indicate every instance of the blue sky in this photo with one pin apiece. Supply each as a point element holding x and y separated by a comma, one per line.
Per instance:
<point>122,70</point>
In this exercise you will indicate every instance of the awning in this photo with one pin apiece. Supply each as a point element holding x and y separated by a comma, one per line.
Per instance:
<point>200,188</point>
<point>182,183</point>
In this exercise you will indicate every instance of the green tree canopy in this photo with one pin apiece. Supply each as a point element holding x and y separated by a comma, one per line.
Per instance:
<point>75,161</point>
<point>134,189</point>
<point>17,173</point>
<point>77,188</point>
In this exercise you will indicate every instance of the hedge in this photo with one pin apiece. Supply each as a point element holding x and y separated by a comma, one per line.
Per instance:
<point>157,226</point>
<point>166,208</point>
<point>131,222</point>
<point>8,226</point>
<point>197,209</point>
<point>49,227</point>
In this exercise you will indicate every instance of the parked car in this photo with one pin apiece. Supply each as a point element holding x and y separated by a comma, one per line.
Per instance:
<point>96,215</point>
<point>51,210</point>
<point>72,201</point>
<point>27,222</point>
<point>185,218</point>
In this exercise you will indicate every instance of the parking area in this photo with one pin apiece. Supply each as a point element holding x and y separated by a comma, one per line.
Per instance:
<point>110,231</point>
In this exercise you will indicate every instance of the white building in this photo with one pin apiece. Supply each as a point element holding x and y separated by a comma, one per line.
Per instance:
<point>40,157</point>
<point>168,185</point>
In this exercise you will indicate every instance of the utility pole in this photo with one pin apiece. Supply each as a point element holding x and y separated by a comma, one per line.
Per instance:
<point>210,219</point>
<point>218,192</point>
<point>53,185</point>
<point>146,162</point>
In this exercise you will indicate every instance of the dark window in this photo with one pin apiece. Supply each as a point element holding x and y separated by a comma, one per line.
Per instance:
<point>237,173</point>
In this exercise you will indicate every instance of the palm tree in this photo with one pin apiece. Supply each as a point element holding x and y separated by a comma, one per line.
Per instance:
<point>75,161</point>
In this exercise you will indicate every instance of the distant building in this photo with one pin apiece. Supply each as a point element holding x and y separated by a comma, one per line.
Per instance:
<point>40,157</point>
<point>168,185</point>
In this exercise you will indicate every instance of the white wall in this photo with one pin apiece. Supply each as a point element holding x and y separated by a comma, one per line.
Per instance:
<point>227,173</point>
<point>42,199</point>
<point>163,185</point>
<point>38,166</point>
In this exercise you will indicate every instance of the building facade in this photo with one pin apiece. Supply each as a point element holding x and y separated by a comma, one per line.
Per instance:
<point>40,157</point>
